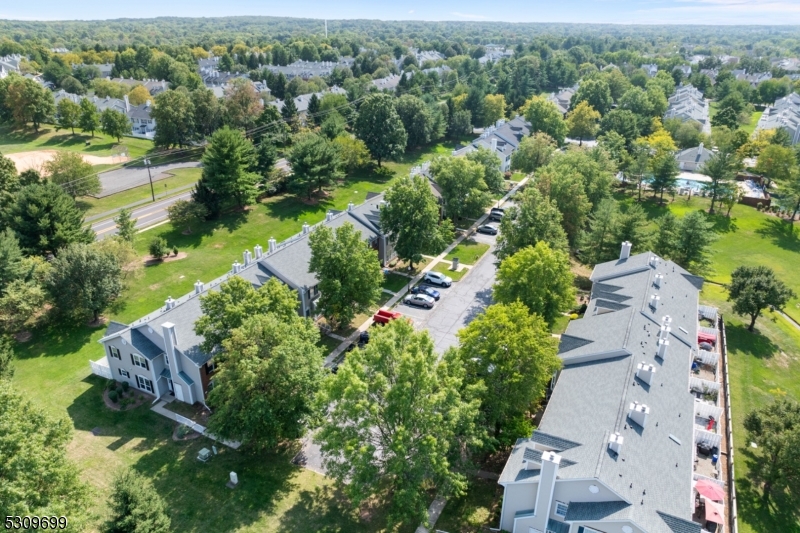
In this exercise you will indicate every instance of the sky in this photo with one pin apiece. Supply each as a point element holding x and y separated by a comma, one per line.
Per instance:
<point>581,11</point>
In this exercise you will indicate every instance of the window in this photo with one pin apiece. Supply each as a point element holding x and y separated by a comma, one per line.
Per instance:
<point>124,373</point>
<point>561,508</point>
<point>210,367</point>
<point>139,361</point>
<point>114,352</point>
<point>166,359</point>
<point>144,384</point>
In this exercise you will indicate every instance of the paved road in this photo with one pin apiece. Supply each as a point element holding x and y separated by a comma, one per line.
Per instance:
<point>145,216</point>
<point>459,304</point>
<point>123,179</point>
<point>153,213</point>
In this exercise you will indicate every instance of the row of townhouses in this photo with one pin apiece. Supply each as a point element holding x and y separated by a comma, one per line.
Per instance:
<point>301,102</point>
<point>688,104</point>
<point>630,429</point>
<point>785,113</point>
<point>160,353</point>
<point>142,124</point>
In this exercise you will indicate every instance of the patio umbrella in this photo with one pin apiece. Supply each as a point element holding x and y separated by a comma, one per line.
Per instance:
<point>714,512</point>
<point>710,490</point>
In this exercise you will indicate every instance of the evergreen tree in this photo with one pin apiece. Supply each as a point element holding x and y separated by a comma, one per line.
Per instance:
<point>313,109</point>
<point>136,507</point>
<point>226,168</point>
<point>315,163</point>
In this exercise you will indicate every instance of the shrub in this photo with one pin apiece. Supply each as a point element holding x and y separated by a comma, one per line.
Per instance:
<point>174,250</point>
<point>141,396</point>
<point>759,206</point>
<point>113,396</point>
<point>111,385</point>
<point>573,316</point>
<point>125,386</point>
<point>182,431</point>
<point>158,247</point>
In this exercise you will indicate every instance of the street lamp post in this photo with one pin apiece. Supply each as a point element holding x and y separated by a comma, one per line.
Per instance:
<point>150,177</point>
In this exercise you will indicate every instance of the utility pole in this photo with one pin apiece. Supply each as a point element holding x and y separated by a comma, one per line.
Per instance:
<point>150,177</point>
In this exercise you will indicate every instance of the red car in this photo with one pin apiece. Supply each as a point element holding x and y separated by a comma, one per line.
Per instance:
<point>384,317</point>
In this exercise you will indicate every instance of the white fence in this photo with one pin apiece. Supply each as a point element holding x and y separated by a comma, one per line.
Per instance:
<point>707,358</point>
<point>706,410</point>
<point>190,423</point>
<point>101,368</point>
<point>734,512</point>
<point>702,436</point>
<point>701,385</point>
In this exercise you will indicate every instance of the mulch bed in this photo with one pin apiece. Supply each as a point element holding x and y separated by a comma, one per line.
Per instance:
<point>189,436</point>
<point>132,393</point>
<point>149,260</point>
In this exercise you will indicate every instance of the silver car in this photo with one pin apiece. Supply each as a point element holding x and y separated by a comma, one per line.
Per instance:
<point>421,300</point>
<point>437,278</point>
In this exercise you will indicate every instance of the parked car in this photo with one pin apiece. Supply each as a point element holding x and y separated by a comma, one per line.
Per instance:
<point>488,229</point>
<point>496,214</point>
<point>437,278</point>
<point>421,300</point>
<point>424,289</point>
<point>384,317</point>
<point>363,339</point>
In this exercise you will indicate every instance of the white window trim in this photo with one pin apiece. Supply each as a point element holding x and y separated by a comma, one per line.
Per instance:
<point>124,373</point>
<point>142,382</point>
<point>114,352</point>
<point>139,360</point>
<point>566,508</point>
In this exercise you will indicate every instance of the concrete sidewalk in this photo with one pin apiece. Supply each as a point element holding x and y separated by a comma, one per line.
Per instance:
<point>160,408</point>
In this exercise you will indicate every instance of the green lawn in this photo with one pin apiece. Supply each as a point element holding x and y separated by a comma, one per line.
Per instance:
<point>560,325</point>
<point>13,141</point>
<point>764,366</point>
<point>754,118</point>
<point>748,237</point>
<point>395,282</point>
<point>181,178</point>
<point>468,252</point>
<point>444,268</point>
<point>328,344</point>
<point>53,370</point>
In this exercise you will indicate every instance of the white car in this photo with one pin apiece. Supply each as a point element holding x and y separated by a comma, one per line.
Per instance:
<point>422,300</point>
<point>437,278</point>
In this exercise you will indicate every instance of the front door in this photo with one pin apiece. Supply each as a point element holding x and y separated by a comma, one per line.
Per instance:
<point>171,388</point>
<point>178,392</point>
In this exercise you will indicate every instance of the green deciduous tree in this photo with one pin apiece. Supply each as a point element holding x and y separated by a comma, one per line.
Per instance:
<point>540,278</point>
<point>599,243</point>
<point>348,270</point>
<point>68,114</point>
<point>185,213</point>
<point>89,119</point>
<point>136,507</point>
<point>512,354</point>
<point>72,173</point>
<point>410,219</point>
<point>6,356</point>
<point>464,192</point>
<point>622,121</point>
<point>265,386</point>
<point>534,152</point>
<point>776,163</point>
<point>490,162</point>
<point>45,218</point>
<point>398,422</point>
<point>380,127</point>
<point>582,121</point>
<point>84,280</point>
<point>173,111</point>
<point>776,429</point>
<point>754,288</point>
<point>721,168</point>
<point>596,93</point>
<point>315,163</point>
<point>353,153</point>
<point>534,218</point>
<point>20,301</point>
<point>227,164</point>
<point>236,300</point>
<point>114,124</point>
<point>567,191</point>
<point>28,102</point>
<point>417,120</point>
<point>38,478</point>
<point>544,116</point>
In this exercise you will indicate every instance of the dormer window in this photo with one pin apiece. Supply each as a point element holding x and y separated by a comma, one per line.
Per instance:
<point>561,509</point>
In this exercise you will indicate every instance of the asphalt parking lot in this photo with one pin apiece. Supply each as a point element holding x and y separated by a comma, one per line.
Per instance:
<point>459,304</point>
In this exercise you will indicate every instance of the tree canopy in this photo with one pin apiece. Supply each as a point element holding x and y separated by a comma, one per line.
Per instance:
<point>754,288</point>
<point>380,127</point>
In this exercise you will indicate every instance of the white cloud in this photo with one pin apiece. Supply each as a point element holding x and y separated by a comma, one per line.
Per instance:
<point>469,16</point>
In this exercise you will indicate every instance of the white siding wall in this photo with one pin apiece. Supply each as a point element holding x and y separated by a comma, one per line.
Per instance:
<point>517,498</point>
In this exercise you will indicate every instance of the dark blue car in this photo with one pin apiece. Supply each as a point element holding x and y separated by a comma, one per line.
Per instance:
<point>424,289</point>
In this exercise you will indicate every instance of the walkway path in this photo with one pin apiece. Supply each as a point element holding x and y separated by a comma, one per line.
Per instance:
<point>160,408</point>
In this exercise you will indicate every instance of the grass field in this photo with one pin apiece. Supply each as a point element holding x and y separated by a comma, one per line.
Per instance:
<point>748,237</point>
<point>468,252</point>
<point>274,495</point>
<point>444,268</point>
<point>181,178</point>
<point>395,282</point>
<point>764,366</point>
<point>13,141</point>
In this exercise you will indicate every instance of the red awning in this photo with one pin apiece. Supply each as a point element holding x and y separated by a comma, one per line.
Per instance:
<point>714,512</point>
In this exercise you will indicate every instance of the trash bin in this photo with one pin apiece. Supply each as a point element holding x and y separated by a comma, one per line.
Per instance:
<point>714,459</point>
<point>455,264</point>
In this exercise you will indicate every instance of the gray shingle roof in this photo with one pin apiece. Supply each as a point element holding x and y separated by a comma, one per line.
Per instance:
<point>147,347</point>
<point>536,455</point>
<point>591,398</point>
<point>114,327</point>
<point>556,443</point>
<point>598,511</point>
<point>186,379</point>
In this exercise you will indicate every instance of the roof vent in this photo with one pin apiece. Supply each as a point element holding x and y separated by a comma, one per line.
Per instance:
<point>645,372</point>
<point>654,301</point>
<point>625,251</point>
<point>663,333</point>
<point>638,412</point>
<point>615,443</point>
<point>169,303</point>
<point>663,344</point>
<point>328,216</point>
<point>236,267</point>
<point>658,280</point>
<point>272,245</point>
<point>259,251</point>
<point>653,260</point>
<point>247,257</point>
<point>350,206</point>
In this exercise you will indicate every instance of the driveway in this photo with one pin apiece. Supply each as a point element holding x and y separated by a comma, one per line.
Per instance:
<point>459,304</point>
